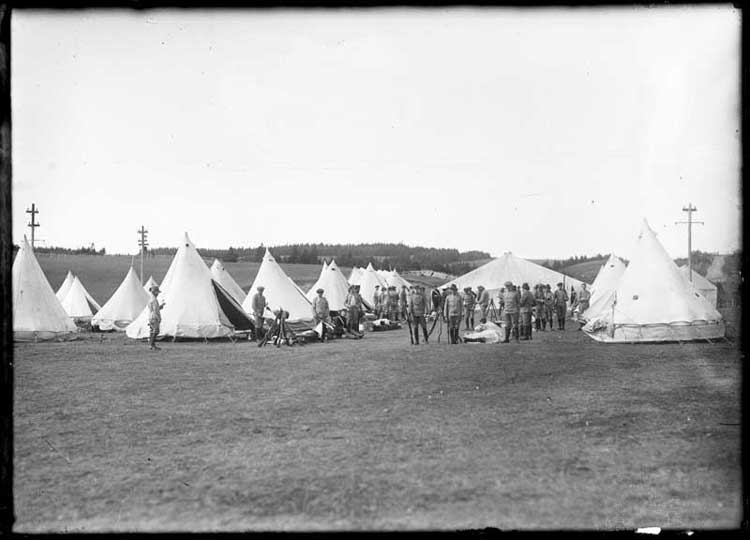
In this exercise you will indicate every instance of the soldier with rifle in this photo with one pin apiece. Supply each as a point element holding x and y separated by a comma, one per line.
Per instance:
<point>415,312</point>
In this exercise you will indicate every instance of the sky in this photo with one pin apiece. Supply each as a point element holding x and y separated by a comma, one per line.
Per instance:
<point>544,132</point>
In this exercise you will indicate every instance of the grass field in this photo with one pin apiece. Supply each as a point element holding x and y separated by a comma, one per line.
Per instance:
<point>560,432</point>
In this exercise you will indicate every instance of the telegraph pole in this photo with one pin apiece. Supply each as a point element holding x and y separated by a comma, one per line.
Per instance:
<point>143,242</point>
<point>33,225</point>
<point>690,209</point>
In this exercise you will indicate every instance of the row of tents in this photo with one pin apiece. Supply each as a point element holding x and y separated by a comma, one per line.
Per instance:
<point>649,299</point>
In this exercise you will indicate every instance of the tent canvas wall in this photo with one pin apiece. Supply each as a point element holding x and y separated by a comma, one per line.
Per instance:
<point>705,287</point>
<point>124,305</point>
<point>654,302</point>
<point>150,283</point>
<point>195,306</point>
<point>356,275</point>
<point>65,287</point>
<point>78,303</point>
<point>37,313</point>
<point>604,283</point>
<point>367,283</point>
<point>221,275</point>
<point>493,275</point>
<point>280,291</point>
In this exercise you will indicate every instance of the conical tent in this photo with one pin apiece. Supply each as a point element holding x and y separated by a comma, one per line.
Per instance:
<point>705,287</point>
<point>65,287</point>
<point>195,306</point>
<point>78,303</point>
<point>356,275</point>
<point>394,279</point>
<point>334,285</point>
<point>493,275</point>
<point>654,302</point>
<point>221,275</point>
<point>150,283</point>
<point>604,283</point>
<point>280,291</point>
<point>124,306</point>
<point>37,313</point>
<point>370,279</point>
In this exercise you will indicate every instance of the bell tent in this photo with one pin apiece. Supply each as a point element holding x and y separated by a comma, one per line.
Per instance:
<point>124,306</point>
<point>65,287</point>
<point>37,313</point>
<point>654,302</point>
<point>150,283</point>
<point>370,279</point>
<point>705,287</point>
<point>493,275</point>
<point>604,283</point>
<point>195,305</point>
<point>78,303</point>
<point>334,285</point>
<point>356,275</point>
<point>280,291</point>
<point>221,275</point>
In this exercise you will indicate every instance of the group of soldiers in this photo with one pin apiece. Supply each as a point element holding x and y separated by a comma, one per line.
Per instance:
<point>414,304</point>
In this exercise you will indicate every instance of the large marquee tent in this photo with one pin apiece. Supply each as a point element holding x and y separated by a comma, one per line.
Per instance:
<point>653,301</point>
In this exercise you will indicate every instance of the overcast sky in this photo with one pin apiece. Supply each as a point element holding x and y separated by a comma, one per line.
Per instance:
<point>547,133</point>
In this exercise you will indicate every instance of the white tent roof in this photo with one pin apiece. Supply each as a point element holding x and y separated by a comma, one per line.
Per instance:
<point>78,303</point>
<point>367,283</point>
<point>194,305</point>
<point>280,291</point>
<point>654,302</point>
<point>493,275</point>
<point>356,275</point>
<point>394,279</point>
<point>150,283</point>
<point>334,285</point>
<point>221,275</point>
<point>37,313</point>
<point>65,287</point>
<point>604,283</point>
<point>124,306</point>
<point>704,286</point>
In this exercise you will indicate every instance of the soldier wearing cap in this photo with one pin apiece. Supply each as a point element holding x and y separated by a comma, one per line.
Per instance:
<point>416,309</point>
<point>392,303</point>
<point>483,299</point>
<point>583,302</point>
<point>549,305</point>
<point>384,303</point>
<point>452,311</point>
<point>154,317</point>
<point>321,312</point>
<point>525,305</point>
<point>353,305</point>
<point>376,300</point>
<point>469,299</point>
<point>403,301</point>
<point>560,303</point>
<point>258,304</point>
<point>541,316</point>
<point>511,300</point>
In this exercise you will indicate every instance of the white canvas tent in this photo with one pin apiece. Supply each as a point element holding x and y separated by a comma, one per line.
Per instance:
<point>195,306</point>
<point>654,302</point>
<point>65,287</point>
<point>37,313</point>
<point>334,285</point>
<point>394,279</point>
<point>78,303</point>
<point>280,291</point>
<point>356,275</point>
<point>604,283</point>
<point>221,275</point>
<point>367,283</point>
<point>124,305</point>
<point>705,287</point>
<point>493,275</point>
<point>150,283</point>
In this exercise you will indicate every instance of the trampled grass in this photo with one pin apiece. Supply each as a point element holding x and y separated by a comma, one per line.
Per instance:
<point>559,432</point>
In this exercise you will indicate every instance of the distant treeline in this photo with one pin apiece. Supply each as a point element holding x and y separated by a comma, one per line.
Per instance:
<point>382,256</point>
<point>91,250</point>
<point>558,264</point>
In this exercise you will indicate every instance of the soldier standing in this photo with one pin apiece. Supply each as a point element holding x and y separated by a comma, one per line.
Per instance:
<point>321,312</point>
<point>403,300</point>
<point>452,310</point>
<point>560,302</point>
<point>539,306</point>
<point>258,305</point>
<point>393,303</point>
<point>154,318</point>
<point>376,300</point>
<point>469,300</point>
<point>511,300</point>
<point>353,305</point>
<point>483,299</point>
<point>583,302</point>
<point>525,305</point>
<point>416,308</point>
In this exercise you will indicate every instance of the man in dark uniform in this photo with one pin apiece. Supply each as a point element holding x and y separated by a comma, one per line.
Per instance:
<point>525,305</point>
<point>452,311</point>
<point>321,312</point>
<point>583,302</point>
<point>258,304</point>
<point>416,308</point>
<point>560,300</point>
<point>511,301</point>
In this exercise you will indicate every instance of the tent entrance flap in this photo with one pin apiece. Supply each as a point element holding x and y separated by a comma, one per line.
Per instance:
<point>234,312</point>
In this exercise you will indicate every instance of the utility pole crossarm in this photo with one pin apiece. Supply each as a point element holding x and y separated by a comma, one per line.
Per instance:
<point>690,209</point>
<point>143,243</point>
<point>34,223</point>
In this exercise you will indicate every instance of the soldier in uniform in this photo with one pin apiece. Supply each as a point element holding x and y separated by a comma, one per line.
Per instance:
<point>258,304</point>
<point>452,311</point>
<point>384,301</point>
<point>353,304</point>
<point>584,298</point>
<point>560,301</point>
<point>376,300</point>
<point>469,299</point>
<point>511,300</point>
<point>403,301</point>
<point>321,312</point>
<point>539,307</point>
<point>483,299</point>
<point>525,305</point>
<point>393,303</point>
<point>549,305</point>
<point>154,317</point>
<point>416,308</point>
